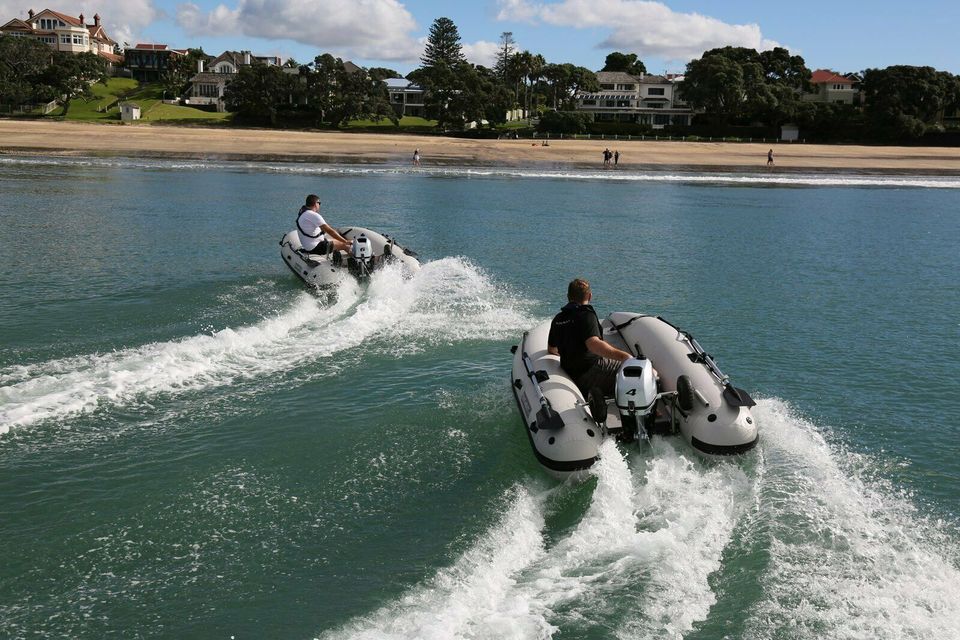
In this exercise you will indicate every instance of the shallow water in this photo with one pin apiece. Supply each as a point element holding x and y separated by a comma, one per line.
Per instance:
<point>194,445</point>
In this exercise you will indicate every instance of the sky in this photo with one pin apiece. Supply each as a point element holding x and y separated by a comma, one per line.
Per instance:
<point>841,35</point>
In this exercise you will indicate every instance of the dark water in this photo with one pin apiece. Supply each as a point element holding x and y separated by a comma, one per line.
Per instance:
<point>192,445</point>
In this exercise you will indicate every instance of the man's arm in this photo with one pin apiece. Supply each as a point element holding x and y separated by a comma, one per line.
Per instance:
<point>552,350</point>
<point>600,348</point>
<point>332,233</point>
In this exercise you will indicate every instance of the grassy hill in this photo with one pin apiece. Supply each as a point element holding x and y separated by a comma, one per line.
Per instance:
<point>104,105</point>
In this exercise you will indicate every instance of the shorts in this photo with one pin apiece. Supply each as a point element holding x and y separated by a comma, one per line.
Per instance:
<point>602,375</point>
<point>322,248</point>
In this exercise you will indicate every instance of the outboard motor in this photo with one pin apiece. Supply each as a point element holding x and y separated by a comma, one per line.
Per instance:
<point>636,395</point>
<point>361,260</point>
<point>361,247</point>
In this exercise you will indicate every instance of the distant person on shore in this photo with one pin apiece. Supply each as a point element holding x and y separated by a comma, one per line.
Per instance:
<point>770,157</point>
<point>616,157</point>
<point>416,157</point>
<point>606,157</point>
<point>576,337</point>
<point>316,236</point>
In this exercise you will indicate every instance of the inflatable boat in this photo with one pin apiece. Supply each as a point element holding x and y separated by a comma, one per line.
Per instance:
<point>369,251</point>
<point>670,386</point>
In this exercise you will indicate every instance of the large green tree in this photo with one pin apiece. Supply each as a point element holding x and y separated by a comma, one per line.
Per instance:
<point>904,101</point>
<point>22,61</point>
<point>625,62</point>
<point>443,45</point>
<point>741,85</point>
<point>259,92</point>
<point>176,79</point>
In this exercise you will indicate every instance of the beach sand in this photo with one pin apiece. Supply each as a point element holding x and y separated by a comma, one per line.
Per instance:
<point>144,140</point>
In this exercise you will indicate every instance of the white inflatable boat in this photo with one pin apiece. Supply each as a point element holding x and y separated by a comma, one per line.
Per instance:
<point>369,251</point>
<point>688,396</point>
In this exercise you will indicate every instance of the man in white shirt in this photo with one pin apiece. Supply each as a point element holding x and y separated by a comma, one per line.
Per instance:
<point>316,236</point>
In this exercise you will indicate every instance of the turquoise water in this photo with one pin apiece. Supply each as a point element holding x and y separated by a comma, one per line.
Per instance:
<point>193,445</point>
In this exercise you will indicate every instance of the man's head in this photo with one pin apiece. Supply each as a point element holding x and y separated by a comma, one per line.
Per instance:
<point>313,202</point>
<point>579,291</point>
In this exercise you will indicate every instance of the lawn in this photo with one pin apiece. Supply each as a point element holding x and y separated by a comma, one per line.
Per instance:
<point>406,122</point>
<point>104,105</point>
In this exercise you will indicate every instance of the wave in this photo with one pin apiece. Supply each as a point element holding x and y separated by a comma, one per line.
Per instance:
<point>820,179</point>
<point>406,312</point>
<point>846,557</point>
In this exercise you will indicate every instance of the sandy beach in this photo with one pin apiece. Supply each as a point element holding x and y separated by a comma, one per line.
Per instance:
<point>83,139</point>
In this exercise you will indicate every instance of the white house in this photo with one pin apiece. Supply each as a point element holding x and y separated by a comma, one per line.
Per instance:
<point>644,99</point>
<point>212,78</point>
<point>65,33</point>
<point>829,86</point>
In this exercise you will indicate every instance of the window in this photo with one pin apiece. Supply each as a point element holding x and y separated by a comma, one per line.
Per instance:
<point>207,91</point>
<point>609,103</point>
<point>64,39</point>
<point>655,91</point>
<point>77,39</point>
<point>661,118</point>
<point>396,98</point>
<point>655,105</point>
<point>681,120</point>
<point>623,103</point>
<point>607,87</point>
<point>589,103</point>
<point>625,87</point>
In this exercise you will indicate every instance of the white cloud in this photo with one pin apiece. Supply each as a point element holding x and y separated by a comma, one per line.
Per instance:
<point>645,27</point>
<point>373,29</point>
<point>123,20</point>
<point>481,52</point>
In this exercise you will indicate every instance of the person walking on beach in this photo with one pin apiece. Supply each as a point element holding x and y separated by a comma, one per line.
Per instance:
<point>576,337</point>
<point>616,157</point>
<point>416,157</point>
<point>316,236</point>
<point>770,157</point>
<point>606,157</point>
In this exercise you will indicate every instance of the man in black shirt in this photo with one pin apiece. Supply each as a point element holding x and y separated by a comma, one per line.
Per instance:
<point>576,337</point>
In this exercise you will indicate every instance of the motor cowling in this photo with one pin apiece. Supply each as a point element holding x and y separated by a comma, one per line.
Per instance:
<point>636,390</point>
<point>361,248</point>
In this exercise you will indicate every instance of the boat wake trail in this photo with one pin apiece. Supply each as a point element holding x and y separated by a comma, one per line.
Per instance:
<point>850,555</point>
<point>832,554</point>
<point>617,567</point>
<point>418,310</point>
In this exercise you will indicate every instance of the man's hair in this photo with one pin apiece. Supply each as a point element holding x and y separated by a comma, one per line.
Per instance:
<point>578,290</point>
<point>313,199</point>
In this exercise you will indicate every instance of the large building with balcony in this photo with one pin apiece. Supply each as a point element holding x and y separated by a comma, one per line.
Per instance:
<point>642,99</point>
<point>65,33</point>
<point>147,62</point>
<point>406,98</point>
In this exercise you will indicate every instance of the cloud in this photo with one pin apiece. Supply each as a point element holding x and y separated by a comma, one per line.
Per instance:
<point>373,29</point>
<point>644,27</point>
<point>481,52</point>
<point>123,20</point>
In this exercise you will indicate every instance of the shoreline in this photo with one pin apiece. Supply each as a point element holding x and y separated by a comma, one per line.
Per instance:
<point>75,139</point>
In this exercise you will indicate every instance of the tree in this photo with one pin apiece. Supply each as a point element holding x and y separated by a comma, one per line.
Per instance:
<point>443,45</point>
<point>22,61</point>
<point>338,95</point>
<point>176,79</point>
<point>904,101</point>
<point>505,51</point>
<point>382,73</point>
<point>625,62</point>
<point>259,92</point>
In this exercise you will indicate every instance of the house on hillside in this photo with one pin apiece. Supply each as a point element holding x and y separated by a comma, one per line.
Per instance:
<point>148,62</point>
<point>829,86</point>
<point>66,33</point>
<point>406,98</point>
<point>211,80</point>
<point>642,99</point>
